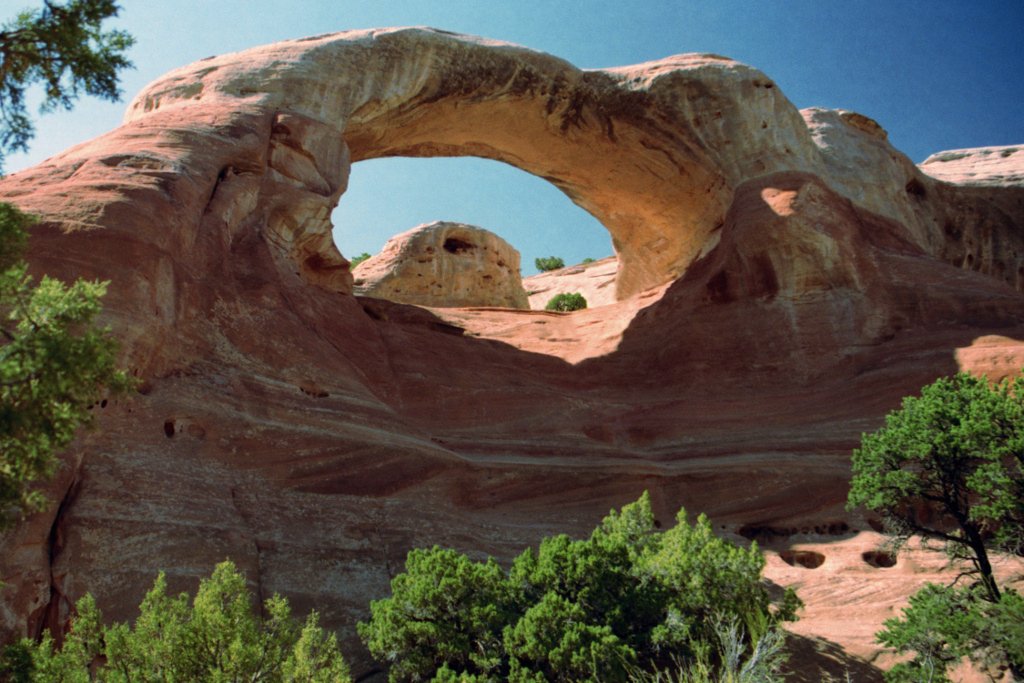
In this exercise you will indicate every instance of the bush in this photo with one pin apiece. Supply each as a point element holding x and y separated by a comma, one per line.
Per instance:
<point>627,600</point>
<point>546,263</point>
<point>356,260</point>
<point>565,302</point>
<point>218,638</point>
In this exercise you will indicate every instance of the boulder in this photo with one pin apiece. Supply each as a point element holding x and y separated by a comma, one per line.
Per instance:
<point>444,264</point>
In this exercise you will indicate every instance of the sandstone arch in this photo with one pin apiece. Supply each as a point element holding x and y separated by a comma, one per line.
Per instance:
<point>603,137</point>
<point>303,431</point>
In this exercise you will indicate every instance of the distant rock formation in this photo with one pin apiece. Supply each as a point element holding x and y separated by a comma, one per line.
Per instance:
<point>444,264</point>
<point>783,279</point>
<point>982,166</point>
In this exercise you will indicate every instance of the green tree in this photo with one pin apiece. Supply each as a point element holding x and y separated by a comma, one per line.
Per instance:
<point>566,302</point>
<point>629,599</point>
<point>949,466</point>
<point>356,260</point>
<point>546,263</point>
<point>216,638</point>
<point>444,609</point>
<point>55,364</point>
<point>63,48</point>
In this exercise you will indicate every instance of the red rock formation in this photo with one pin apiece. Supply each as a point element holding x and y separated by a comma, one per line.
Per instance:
<point>783,281</point>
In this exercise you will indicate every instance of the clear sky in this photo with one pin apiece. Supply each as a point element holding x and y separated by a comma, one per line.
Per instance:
<point>937,74</point>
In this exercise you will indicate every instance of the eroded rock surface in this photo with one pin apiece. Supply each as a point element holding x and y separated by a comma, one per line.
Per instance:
<point>444,264</point>
<point>784,278</point>
<point>987,166</point>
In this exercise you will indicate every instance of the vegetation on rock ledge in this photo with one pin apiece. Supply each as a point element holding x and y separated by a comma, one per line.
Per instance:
<point>566,302</point>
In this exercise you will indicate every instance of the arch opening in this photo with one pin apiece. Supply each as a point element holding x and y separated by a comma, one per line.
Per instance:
<point>389,196</point>
<point>597,140</point>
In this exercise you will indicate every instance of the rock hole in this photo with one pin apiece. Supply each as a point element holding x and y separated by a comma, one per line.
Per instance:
<point>453,245</point>
<point>312,389</point>
<point>832,528</point>
<point>915,188</point>
<point>169,429</point>
<point>767,282</point>
<point>103,403</point>
<point>879,558</point>
<point>718,288</point>
<point>802,558</point>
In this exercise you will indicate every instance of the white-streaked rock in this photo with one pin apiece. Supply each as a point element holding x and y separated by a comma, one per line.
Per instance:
<point>989,166</point>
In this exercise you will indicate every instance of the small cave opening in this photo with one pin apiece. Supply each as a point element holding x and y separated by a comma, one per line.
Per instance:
<point>807,559</point>
<point>915,188</point>
<point>454,245</point>
<point>879,558</point>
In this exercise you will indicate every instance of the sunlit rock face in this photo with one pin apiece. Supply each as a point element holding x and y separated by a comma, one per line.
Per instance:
<point>783,279</point>
<point>444,264</point>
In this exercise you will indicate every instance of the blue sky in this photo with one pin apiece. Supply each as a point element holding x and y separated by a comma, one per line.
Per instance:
<point>937,75</point>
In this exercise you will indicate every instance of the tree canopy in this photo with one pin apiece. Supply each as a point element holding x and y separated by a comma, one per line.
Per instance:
<point>949,466</point>
<point>55,365</point>
<point>215,638</point>
<point>64,49</point>
<point>546,263</point>
<point>54,362</point>
<point>627,599</point>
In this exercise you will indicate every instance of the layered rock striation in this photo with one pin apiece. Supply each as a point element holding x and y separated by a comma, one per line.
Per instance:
<point>783,278</point>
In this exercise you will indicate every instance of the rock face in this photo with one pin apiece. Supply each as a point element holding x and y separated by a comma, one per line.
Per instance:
<point>784,278</point>
<point>985,166</point>
<point>444,264</point>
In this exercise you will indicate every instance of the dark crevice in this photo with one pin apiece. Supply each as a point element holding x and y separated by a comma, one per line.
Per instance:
<point>58,602</point>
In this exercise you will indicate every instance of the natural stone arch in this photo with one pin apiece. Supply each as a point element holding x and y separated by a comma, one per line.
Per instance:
<point>600,136</point>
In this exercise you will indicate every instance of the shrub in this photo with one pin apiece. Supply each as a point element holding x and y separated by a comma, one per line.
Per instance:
<point>627,600</point>
<point>546,263</point>
<point>587,260</point>
<point>356,260</point>
<point>217,638</point>
<point>565,302</point>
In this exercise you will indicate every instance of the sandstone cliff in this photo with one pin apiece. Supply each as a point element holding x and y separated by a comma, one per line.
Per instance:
<point>783,278</point>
